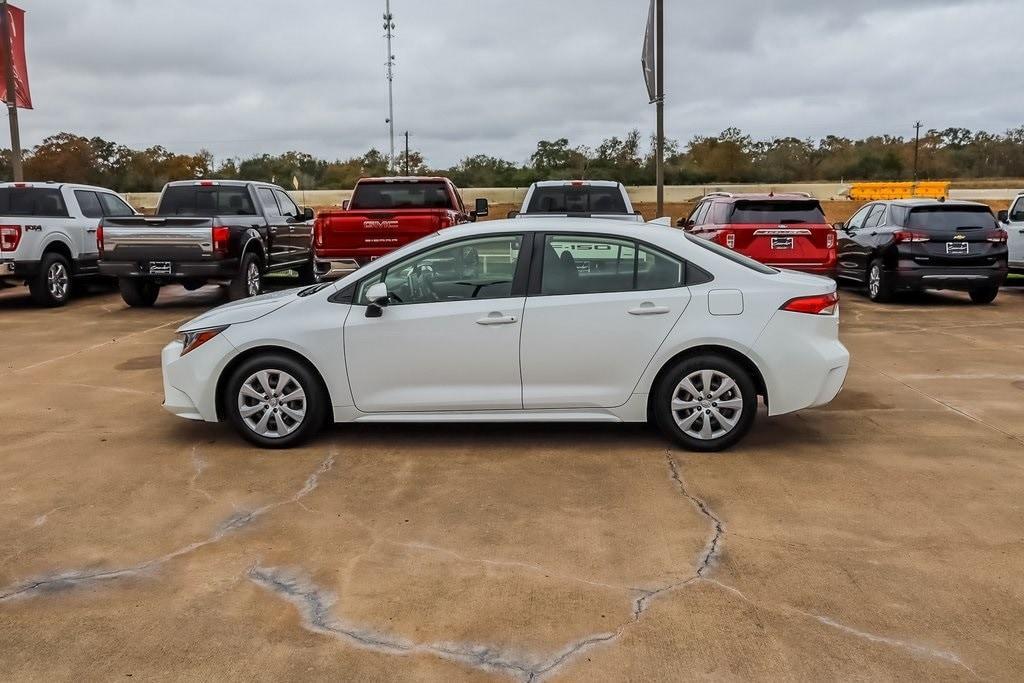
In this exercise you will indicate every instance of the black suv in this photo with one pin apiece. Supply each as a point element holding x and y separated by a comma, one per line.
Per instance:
<point>917,244</point>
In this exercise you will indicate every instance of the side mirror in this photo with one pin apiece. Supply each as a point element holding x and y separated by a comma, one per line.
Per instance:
<point>1003,216</point>
<point>481,209</point>
<point>684,223</point>
<point>344,205</point>
<point>512,214</point>
<point>839,226</point>
<point>307,214</point>
<point>377,295</point>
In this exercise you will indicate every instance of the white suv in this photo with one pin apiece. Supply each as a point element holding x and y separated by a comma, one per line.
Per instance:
<point>48,235</point>
<point>1013,222</point>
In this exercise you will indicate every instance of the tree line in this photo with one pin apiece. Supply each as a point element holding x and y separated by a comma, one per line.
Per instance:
<point>730,157</point>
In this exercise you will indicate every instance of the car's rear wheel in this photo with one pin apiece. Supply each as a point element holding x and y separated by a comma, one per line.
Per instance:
<point>138,293</point>
<point>275,401</point>
<point>706,402</point>
<point>248,281</point>
<point>307,274</point>
<point>880,286</point>
<point>52,285</point>
<point>984,295</point>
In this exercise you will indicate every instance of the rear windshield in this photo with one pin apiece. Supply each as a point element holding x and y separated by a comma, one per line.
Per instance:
<point>201,200</point>
<point>731,255</point>
<point>576,199</point>
<point>32,201</point>
<point>950,218</point>
<point>778,212</point>
<point>401,196</point>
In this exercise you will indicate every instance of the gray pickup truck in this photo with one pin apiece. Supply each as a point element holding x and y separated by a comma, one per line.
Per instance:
<point>208,231</point>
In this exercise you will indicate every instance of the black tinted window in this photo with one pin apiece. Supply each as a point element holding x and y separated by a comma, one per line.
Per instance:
<point>400,195</point>
<point>206,200</point>
<point>32,201</point>
<point>777,211</point>
<point>88,202</point>
<point>1017,212</point>
<point>114,206</point>
<point>576,199</point>
<point>947,218</point>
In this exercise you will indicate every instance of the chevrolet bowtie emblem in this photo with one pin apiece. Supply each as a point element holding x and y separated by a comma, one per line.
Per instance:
<point>959,237</point>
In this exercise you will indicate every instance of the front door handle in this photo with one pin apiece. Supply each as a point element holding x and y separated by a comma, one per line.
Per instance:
<point>92,231</point>
<point>648,308</point>
<point>496,318</point>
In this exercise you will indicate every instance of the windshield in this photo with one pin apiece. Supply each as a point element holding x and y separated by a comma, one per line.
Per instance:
<point>951,218</point>
<point>731,255</point>
<point>32,201</point>
<point>206,200</point>
<point>778,212</point>
<point>405,195</point>
<point>576,199</point>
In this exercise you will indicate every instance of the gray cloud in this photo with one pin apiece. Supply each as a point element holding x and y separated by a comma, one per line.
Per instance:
<point>492,76</point>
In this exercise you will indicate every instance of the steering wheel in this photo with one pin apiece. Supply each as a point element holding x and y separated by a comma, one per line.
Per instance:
<point>421,283</point>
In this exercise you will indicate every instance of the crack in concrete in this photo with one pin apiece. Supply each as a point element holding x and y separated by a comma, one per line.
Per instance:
<point>70,579</point>
<point>198,466</point>
<point>711,550</point>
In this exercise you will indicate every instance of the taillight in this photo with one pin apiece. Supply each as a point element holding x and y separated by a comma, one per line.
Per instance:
<point>830,239</point>
<point>221,234</point>
<point>99,239</point>
<point>819,304</point>
<point>10,237</point>
<point>318,231</point>
<point>910,236</point>
<point>730,240</point>
<point>998,236</point>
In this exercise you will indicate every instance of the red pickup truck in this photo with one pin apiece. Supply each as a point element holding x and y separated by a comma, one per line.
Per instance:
<point>384,214</point>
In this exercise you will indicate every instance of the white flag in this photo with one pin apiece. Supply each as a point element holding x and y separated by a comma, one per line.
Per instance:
<point>648,59</point>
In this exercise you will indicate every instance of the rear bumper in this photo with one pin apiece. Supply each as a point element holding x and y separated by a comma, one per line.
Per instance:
<point>225,269</point>
<point>960,279</point>
<point>7,268</point>
<point>332,269</point>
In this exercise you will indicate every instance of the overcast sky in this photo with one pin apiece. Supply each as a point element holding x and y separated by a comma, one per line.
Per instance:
<point>240,77</point>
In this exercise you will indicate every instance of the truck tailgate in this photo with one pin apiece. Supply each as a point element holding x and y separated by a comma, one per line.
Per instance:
<point>372,231</point>
<point>172,238</point>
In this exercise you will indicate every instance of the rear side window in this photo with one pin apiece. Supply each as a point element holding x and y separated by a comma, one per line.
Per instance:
<point>777,211</point>
<point>114,206</point>
<point>576,199</point>
<point>950,218</point>
<point>428,195</point>
<point>32,201</point>
<point>731,255</point>
<point>89,203</point>
<point>270,206</point>
<point>207,200</point>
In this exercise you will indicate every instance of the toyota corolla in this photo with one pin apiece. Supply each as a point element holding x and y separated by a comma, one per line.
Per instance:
<point>561,320</point>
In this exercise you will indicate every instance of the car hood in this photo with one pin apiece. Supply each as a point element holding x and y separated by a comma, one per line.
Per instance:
<point>242,311</point>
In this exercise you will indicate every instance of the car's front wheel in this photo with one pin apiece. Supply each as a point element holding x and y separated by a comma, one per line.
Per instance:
<point>706,402</point>
<point>275,401</point>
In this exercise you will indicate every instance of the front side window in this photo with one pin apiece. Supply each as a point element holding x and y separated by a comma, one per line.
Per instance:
<point>89,204</point>
<point>857,221</point>
<point>875,217</point>
<point>114,206</point>
<point>288,207</point>
<point>478,268</point>
<point>1017,212</point>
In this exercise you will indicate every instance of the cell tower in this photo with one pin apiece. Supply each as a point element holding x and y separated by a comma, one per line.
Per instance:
<point>389,27</point>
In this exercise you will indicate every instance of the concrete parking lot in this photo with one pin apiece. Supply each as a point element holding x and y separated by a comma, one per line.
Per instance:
<point>879,537</point>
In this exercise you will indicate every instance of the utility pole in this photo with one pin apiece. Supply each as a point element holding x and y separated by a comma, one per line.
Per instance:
<point>407,153</point>
<point>12,95</point>
<point>660,76</point>
<point>917,145</point>
<point>389,26</point>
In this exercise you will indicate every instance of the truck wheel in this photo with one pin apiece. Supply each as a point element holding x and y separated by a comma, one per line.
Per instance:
<point>138,293</point>
<point>984,295</point>
<point>248,281</point>
<point>307,274</point>
<point>52,284</point>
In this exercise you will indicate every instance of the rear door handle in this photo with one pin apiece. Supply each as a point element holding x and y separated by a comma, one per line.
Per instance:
<point>496,318</point>
<point>648,308</point>
<point>92,231</point>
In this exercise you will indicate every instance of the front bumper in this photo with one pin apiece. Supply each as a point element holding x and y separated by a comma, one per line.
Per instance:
<point>190,382</point>
<point>220,270</point>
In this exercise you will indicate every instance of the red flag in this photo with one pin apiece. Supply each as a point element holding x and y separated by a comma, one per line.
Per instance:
<point>16,22</point>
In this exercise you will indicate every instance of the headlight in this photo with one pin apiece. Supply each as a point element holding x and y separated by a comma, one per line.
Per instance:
<point>193,339</point>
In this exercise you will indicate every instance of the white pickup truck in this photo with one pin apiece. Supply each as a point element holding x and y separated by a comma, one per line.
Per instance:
<point>578,199</point>
<point>1013,223</point>
<point>48,235</point>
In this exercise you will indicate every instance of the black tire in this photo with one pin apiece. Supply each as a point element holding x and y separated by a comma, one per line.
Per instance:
<point>880,290</point>
<point>138,293</point>
<point>193,285</point>
<point>51,286</point>
<point>242,285</point>
<point>307,274</point>
<point>676,422</point>
<point>314,406</point>
<point>984,295</point>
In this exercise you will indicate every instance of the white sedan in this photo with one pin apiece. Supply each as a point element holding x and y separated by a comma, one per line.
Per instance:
<point>561,320</point>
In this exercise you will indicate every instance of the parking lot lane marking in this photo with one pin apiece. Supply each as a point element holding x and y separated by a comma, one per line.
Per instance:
<point>73,578</point>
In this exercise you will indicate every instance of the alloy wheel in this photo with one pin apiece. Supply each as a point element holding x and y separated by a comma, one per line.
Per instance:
<point>272,403</point>
<point>874,281</point>
<point>252,279</point>
<point>58,281</point>
<point>707,404</point>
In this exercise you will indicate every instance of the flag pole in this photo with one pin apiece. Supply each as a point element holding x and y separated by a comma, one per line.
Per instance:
<point>660,77</point>
<point>12,95</point>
